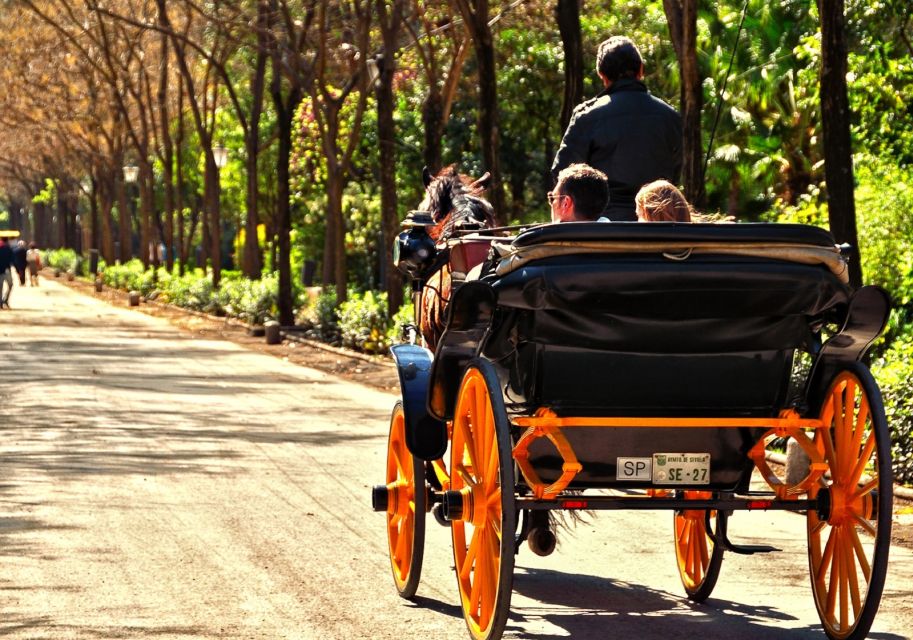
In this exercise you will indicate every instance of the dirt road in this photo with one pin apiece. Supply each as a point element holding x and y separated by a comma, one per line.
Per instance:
<point>156,484</point>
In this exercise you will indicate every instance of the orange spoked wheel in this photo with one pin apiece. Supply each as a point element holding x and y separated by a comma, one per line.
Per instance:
<point>405,508</point>
<point>849,535</point>
<point>699,559</point>
<point>484,514</point>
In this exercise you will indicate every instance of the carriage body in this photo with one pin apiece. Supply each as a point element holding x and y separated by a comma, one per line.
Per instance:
<point>655,334</point>
<point>658,358</point>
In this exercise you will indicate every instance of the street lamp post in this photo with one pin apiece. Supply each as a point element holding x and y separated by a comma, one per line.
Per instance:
<point>90,231</point>
<point>131,174</point>
<point>220,155</point>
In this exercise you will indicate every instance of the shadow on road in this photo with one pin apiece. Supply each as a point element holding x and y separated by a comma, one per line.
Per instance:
<point>583,607</point>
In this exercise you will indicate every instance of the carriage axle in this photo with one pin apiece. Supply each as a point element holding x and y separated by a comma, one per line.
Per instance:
<point>609,503</point>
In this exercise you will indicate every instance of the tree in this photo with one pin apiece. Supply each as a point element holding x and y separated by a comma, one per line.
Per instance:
<point>291,52</point>
<point>390,23</point>
<point>835,123</point>
<point>476,15</point>
<point>441,45</point>
<point>567,15</point>
<point>682,17</point>
<point>340,82</point>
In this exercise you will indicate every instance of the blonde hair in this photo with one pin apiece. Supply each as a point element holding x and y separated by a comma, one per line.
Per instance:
<point>661,201</point>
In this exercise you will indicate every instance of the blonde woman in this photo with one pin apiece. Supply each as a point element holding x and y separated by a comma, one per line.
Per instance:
<point>661,201</point>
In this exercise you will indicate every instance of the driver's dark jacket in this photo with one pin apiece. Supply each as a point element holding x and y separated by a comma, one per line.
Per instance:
<point>630,135</point>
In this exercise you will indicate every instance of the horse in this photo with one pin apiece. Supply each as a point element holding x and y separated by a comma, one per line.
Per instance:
<point>455,202</point>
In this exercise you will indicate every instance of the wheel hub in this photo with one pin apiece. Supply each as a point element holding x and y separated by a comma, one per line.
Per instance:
<point>838,505</point>
<point>393,498</point>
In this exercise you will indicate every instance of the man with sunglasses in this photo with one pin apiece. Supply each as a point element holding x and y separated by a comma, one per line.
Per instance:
<point>628,134</point>
<point>580,194</point>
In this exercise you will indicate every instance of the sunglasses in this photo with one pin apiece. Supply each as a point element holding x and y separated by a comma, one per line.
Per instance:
<point>554,196</point>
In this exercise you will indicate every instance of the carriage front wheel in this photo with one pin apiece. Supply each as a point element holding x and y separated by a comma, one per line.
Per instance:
<point>849,535</point>
<point>405,491</point>
<point>483,509</point>
<point>699,559</point>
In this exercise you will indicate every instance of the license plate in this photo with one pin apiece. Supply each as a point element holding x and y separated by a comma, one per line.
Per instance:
<point>681,468</point>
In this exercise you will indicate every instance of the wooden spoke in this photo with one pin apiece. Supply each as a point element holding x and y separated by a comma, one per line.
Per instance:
<point>860,556</point>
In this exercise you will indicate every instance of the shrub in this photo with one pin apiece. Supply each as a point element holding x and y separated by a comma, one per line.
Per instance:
<point>893,371</point>
<point>191,291</point>
<point>363,322</point>
<point>64,259</point>
<point>124,276</point>
<point>251,300</point>
<point>319,318</point>
<point>403,317</point>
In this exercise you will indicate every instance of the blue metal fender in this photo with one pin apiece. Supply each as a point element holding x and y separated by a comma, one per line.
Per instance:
<point>426,436</point>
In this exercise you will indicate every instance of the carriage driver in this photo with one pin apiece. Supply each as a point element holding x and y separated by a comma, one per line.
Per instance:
<point>581,193</point>
<point>628,134</point>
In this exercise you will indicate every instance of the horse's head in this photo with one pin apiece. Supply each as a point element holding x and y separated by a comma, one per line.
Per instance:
<point>455,201</point>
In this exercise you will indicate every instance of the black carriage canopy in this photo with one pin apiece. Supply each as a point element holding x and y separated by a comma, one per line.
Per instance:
<point>672,287</point>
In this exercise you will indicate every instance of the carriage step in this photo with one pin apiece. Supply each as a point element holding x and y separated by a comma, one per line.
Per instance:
<point>721,537</point>
<point>748,549</point>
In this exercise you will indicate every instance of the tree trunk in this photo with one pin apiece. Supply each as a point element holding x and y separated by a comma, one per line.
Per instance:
<point>106,204</point>
<point>285,113</point>
<point>433,121</point>
<point>477,20</point>
<point>212,205</point>
<point>390,278</point>
<point>392,281</point>
<point>335,187</point>
<point>147,251</point>
<point>124,224</point>
<point>252,262</point>
<point>94,240</point>
<point>179,181</point>
<point>682,19</point>
<point>61,217</point>
<point>167,148</point>
<point>835,121</point>
<point>567,14</point>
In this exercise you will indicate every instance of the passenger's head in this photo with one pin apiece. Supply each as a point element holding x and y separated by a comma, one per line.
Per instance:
<point>661,201</point>
<point>581,193</point>
<point>32,245</point>
<point>618,57</point>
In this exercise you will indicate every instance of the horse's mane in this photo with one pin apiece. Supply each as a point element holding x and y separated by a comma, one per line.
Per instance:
<point>455,200</point>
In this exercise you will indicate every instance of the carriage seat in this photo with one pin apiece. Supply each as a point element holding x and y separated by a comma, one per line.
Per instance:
<point>788,242</point>
<point>671,288</point>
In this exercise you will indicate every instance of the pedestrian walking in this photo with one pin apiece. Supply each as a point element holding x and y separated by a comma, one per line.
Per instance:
<point>33,261</point>
<point>6,276</point>
<point>19,260</point>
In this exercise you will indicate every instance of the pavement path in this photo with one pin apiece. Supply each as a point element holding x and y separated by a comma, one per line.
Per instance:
<point>158,485</point>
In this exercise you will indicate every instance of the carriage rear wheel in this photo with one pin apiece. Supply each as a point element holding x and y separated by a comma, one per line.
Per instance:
<point>849,535</point>
<point>481,470</point>
<point>699,559</point>
<point>405,509</point>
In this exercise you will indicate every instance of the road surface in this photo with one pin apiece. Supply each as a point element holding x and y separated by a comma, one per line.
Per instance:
<point>154,484</point>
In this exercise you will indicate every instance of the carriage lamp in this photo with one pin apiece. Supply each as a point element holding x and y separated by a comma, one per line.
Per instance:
<point>414,251</point>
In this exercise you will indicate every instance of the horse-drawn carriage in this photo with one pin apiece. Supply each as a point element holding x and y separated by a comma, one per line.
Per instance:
<point>594,366</point>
